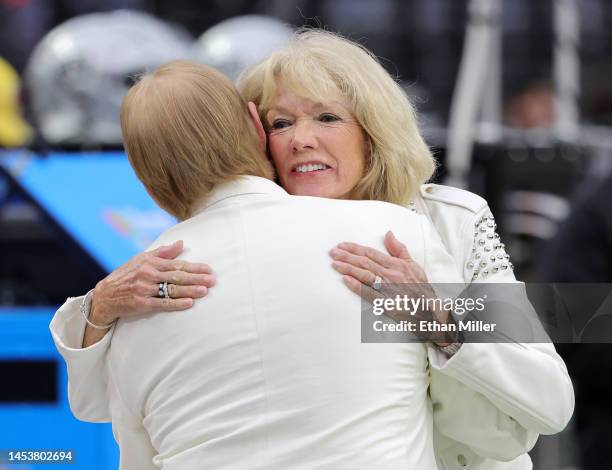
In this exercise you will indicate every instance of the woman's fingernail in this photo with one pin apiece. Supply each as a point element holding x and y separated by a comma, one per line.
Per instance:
<point>201,290</point>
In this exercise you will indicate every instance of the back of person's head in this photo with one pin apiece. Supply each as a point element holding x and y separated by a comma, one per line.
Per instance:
<point>186,129</point>
<point>319,65</point>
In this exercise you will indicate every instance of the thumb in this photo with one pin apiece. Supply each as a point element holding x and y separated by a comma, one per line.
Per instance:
<point>396,248</point>
<point>169,251</point>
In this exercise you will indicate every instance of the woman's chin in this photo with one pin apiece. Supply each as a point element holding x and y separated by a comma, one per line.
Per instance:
<point>316,190</point>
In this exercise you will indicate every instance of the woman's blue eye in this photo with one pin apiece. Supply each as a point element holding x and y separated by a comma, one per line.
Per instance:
<point>280,124</point>
<point>328,118</point>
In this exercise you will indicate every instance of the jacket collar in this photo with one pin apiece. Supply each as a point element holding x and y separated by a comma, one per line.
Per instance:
<point>238,187</point>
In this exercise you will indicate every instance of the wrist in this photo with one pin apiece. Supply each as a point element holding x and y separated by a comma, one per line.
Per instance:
<point>447,335</point>
<point>98,318</point>
<point>97,313</point>
<point>451,335</point>
<point>450,349</point>
<point>86,312</point>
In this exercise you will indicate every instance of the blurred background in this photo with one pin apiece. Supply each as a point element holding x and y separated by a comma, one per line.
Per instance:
<point>514,96</point>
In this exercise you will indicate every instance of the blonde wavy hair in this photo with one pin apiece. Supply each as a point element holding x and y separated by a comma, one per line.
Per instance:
<point>317,65</point>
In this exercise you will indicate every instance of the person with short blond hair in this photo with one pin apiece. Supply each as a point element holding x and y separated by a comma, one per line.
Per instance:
<point>175,153</point>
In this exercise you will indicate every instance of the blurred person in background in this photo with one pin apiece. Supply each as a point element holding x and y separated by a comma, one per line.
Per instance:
<point>14,130</point>
<point>532,108</point>
<point>306,92</point>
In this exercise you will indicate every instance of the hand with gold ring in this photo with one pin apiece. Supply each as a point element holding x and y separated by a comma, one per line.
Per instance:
<point>370,273</point>
<point>134,288</point>
<point>170,291</point>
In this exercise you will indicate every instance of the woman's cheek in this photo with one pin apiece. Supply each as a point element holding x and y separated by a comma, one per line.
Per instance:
<point>277,154</point>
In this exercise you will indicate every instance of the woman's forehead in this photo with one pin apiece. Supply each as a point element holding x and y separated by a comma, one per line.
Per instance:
<point>317,88</point>
<point>287,95</point>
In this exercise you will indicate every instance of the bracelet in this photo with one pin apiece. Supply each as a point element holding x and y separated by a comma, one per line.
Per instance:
<point>86,310</point>
<point>450,349</point>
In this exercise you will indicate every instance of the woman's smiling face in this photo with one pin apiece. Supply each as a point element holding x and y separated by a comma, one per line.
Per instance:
<point>318,148</point>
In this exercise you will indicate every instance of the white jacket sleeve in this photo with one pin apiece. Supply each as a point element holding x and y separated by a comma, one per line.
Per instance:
<point>527,381</point>
<point>461,413</point>
<point>493,398</point>
<point>87,383</point>
<point>466,416</point>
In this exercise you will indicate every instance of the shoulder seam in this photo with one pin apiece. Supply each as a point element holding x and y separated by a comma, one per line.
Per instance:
<point>454,196</point>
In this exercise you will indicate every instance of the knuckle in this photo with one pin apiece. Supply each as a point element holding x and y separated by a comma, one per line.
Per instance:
<point>150,272</point>
<point>191,292</point>
<point>371,265</point>
<point>140,287</point>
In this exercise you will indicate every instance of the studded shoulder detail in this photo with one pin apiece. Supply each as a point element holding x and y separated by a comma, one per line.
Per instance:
<point>488,252</point>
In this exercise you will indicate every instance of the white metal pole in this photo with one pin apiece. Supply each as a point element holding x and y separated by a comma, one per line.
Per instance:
<point>491,112</point>
<point>567,69</point>
<point>483,23</point>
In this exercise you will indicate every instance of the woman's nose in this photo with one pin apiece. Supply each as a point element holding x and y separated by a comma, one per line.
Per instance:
<point>304,136</point>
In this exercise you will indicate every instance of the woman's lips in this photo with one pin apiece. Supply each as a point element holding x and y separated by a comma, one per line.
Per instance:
<point>311,174</point>
<point>310,167</point>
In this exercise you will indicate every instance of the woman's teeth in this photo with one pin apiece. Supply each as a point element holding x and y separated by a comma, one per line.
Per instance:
<point>307,168</point>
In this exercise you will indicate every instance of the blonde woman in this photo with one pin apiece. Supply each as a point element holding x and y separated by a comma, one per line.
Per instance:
<point>340,127</point>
